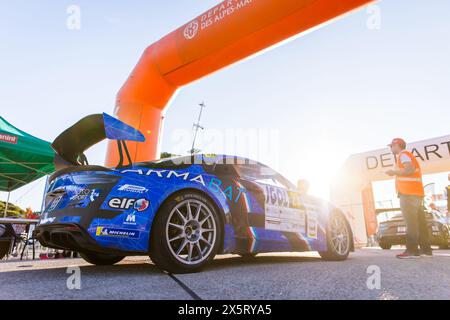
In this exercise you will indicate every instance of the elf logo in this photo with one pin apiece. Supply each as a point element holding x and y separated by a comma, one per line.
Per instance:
<point>141,204</point>
<point>127,203</point>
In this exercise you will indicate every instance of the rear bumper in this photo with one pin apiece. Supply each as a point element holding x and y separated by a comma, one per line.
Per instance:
<point>395,239</point>
<point>392,239</point>
<point>72,237</point>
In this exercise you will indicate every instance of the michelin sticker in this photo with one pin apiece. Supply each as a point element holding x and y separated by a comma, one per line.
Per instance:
<point>113,232</point>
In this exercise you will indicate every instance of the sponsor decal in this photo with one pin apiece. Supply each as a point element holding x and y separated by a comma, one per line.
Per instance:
<point>210,155</point>
<point>191,30</point>
<point>141,204</point>
<point>133,188</point>
<point>121,203</point>
<point>113,232</point>
<point>312,225</point>
<point>230,192</point>
<point>83,194</point>
<point>131,219</point>
<point>186,176</point>
<point>54,203</point>
<point>283,211</point>
<point>8,138</point>
<point>214,16</point>
<point>47,220</point>
<point>94,195</point>
<point>127,203</point>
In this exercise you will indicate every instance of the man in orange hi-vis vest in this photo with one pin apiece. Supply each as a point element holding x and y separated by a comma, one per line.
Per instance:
<point>408,182</point>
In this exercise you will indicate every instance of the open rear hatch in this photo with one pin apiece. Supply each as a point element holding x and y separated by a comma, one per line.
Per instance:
<point>76,191</point>
<point>73,142</point>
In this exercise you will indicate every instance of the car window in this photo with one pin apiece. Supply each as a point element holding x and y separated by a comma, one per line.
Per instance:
<point>177,163</point>
<point>263,174</point>
<point>272,182</point>
<point>222,169</point>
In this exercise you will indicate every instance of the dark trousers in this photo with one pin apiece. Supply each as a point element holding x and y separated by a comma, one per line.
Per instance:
<point>416,224</point>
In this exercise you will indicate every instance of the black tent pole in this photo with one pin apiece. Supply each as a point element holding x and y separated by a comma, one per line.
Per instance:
<point>6,206</point>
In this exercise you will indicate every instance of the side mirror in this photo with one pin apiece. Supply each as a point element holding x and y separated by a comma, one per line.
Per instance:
<point>303,186</point>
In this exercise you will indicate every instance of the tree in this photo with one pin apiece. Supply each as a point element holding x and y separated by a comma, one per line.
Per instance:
<point>13,210</point>
<point>165,155</point>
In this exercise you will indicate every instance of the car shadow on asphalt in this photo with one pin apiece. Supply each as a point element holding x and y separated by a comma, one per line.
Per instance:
<point>237,261</point>
<point>119,270</point>
<point>149,269</point>
<point>146,268</point>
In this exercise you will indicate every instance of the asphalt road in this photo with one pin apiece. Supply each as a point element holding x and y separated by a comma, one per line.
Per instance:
<point>268,276</point>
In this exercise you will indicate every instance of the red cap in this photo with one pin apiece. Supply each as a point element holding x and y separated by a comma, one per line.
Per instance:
<point>398,141</point>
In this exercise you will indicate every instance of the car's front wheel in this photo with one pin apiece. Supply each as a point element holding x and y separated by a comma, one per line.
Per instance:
<point>339,239</point>
<point>445,241</point>
<point>101,259</point>
<point>185,234</point>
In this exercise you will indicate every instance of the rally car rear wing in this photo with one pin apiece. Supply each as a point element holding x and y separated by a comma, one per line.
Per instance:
<point>71,144</point>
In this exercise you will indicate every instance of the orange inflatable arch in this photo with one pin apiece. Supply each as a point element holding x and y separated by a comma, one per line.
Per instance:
<point>225,34</point>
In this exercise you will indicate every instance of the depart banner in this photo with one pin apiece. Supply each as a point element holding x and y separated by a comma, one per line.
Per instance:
<point>352,191</point>
<point>360,169</point>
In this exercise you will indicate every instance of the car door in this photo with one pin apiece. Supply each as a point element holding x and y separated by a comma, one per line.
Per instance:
<point>281,206</point>
<point>284,210</point>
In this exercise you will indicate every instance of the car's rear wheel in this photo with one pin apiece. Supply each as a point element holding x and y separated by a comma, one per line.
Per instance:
<point>385,246</point>
<point>186,233</point>
<point>101,259</point>
<point>338,238</point>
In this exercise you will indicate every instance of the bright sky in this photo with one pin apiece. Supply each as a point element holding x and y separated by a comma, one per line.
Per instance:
<point>342,89</point>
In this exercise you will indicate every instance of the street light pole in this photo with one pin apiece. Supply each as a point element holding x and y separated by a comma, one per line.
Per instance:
<point>197,126</point>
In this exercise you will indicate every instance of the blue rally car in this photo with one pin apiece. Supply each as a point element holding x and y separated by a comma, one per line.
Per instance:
<point>181,211</point>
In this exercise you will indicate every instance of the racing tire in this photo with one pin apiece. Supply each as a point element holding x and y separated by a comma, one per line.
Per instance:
<point>385,246</point>
<point>101,259</point>
<point>339,238</point>
<point>186,233</point>
<point>444,245</point>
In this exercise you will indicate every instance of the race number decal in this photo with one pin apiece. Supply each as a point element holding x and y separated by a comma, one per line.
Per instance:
<point>286,211</point>
<point>283,212</point>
